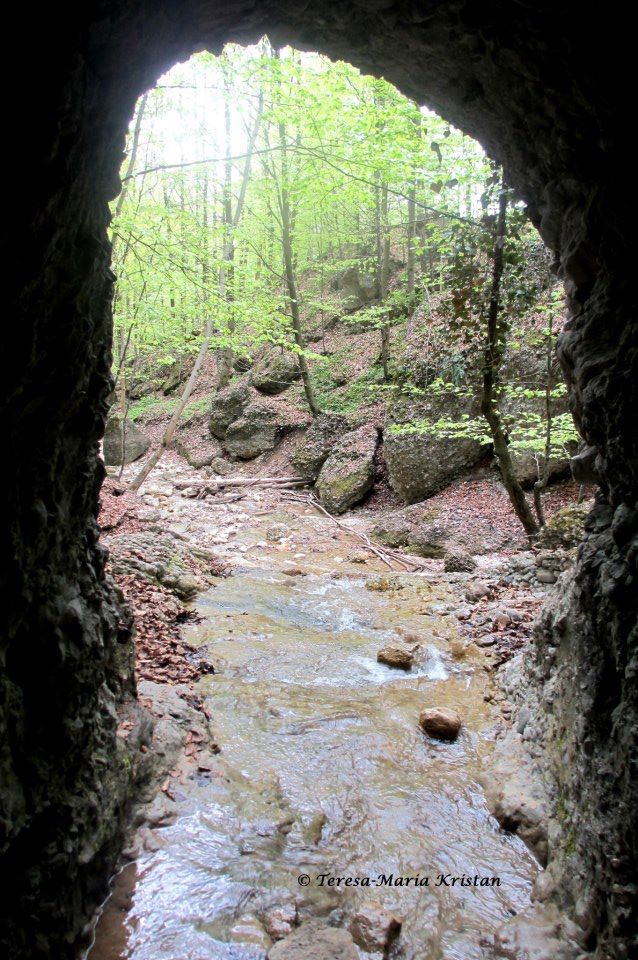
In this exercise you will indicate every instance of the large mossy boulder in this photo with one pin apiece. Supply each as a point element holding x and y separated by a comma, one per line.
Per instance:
<point>123,442</point>
<point>275,372</point>
<point>348,473</point>
<point>323,433</point>
<point>259,429</point>
<point>422,462</point>
<point>566,528</point>
<point>228,406</point>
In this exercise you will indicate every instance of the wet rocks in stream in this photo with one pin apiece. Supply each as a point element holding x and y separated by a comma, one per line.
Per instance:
<point>397,657</point>
<point>440,723</point>
<point>374,928</point>
<point>315,940</point>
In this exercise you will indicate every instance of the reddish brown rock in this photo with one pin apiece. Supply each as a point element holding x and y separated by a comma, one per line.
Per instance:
<point>440,723</point>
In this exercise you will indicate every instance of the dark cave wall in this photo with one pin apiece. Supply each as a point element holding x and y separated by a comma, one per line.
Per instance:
<point>541,85</point>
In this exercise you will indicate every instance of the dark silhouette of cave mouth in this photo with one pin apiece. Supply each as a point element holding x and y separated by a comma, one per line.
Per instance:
<point>545,88</point>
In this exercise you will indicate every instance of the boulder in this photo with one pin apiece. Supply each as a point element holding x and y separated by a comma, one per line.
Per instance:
<point>220,467</point>
<point>227,406</point>
<point>320,438</point>
<point>566,528</point>
<point>421,462</point>
<point>254,433</point>
<point>315,940</point>
<point>348,473</point>
<point>458,561</point>
<point>432,540</point>
<point>374,928</point>
<point>440,723</point>
<point>357,289</point>
<point>123,442</point>
<point>525,463</point>
<point>275,372</point>
<point>397,657</point>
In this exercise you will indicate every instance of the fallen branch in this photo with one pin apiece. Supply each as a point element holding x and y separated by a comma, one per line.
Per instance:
<point>385,554</point>
<point>221,482</point>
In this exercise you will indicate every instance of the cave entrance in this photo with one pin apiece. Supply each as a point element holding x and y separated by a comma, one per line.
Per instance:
<point>544,93</point>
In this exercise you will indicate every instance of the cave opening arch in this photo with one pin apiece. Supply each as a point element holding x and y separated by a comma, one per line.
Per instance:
<point>535,86</point>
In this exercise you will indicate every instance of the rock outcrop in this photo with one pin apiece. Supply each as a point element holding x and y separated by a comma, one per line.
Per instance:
<point>348,473</point>
<point>275,372</point>
<point>323,433</point>
<point>259,428</point>
<point>123,442</point>
<point>421,461</point>
<point>227,406</point>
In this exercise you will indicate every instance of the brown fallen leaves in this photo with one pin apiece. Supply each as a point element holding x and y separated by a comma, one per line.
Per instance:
<point>161,654</point>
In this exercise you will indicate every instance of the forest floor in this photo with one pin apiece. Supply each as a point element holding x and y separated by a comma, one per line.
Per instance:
<point>500,618</point>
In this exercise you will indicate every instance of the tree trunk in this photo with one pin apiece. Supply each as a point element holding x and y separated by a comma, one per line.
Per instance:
<point>541,483</point>
<point>169,433</point>
<point>383,265</point>
<point>289,268</point>
<point>494,349</point>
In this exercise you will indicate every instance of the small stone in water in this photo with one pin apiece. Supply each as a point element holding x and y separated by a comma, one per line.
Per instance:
<point>440,723</point>
<point>396,657</point>
<point>374,928</point>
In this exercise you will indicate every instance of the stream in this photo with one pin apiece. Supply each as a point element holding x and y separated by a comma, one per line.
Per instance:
<point>324,772</point>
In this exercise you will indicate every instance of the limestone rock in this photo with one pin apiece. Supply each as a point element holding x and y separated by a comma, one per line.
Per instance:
<point>220,467</point>
<point>278,531</point>
<point>420,464</point>
<point>275,372</point>
<point>348,473</point>
<point>374,928</point>
<point>357,288</point>
<point>320,438</point>
<point>457,561</point>
<point>397,657</point>
<point>133,443</point>
<point>476,590</point>
<point>315,940</point>
<point>440,723</point>
<point>255,432</point>
<point>566,528</point>
<point>227,406</point>
<point>279,921</point>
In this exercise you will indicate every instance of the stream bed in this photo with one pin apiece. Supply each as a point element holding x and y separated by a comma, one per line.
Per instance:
<point>324,774</point>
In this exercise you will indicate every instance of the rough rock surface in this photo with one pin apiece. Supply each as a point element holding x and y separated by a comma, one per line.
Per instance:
<point>546,92</point>
<point>357,288</point>
<point>275,372</point>
<point>128,440</point>
<point>227,406</point>
<point>320,438</point>
<point>374,928</point>
<point>420,463</point>
<point>158,557</point>
<point>397,657</point>
<point>258,429</point>
<point>440,723</point>
<point>348,473</point>
<point>458,561</point>
<point>317,940</point>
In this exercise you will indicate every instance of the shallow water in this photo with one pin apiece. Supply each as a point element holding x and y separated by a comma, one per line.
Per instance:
<point>324,771</point>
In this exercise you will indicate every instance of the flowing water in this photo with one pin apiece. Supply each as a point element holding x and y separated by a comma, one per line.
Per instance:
<point>325,772</point>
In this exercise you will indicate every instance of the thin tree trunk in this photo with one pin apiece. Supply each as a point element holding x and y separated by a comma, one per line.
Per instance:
<point>383,266</point>
<point>541,483</point>
<point>494,350</point>
<point>289,269</point>
<point>169,433</point>
<point>225,355</point>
